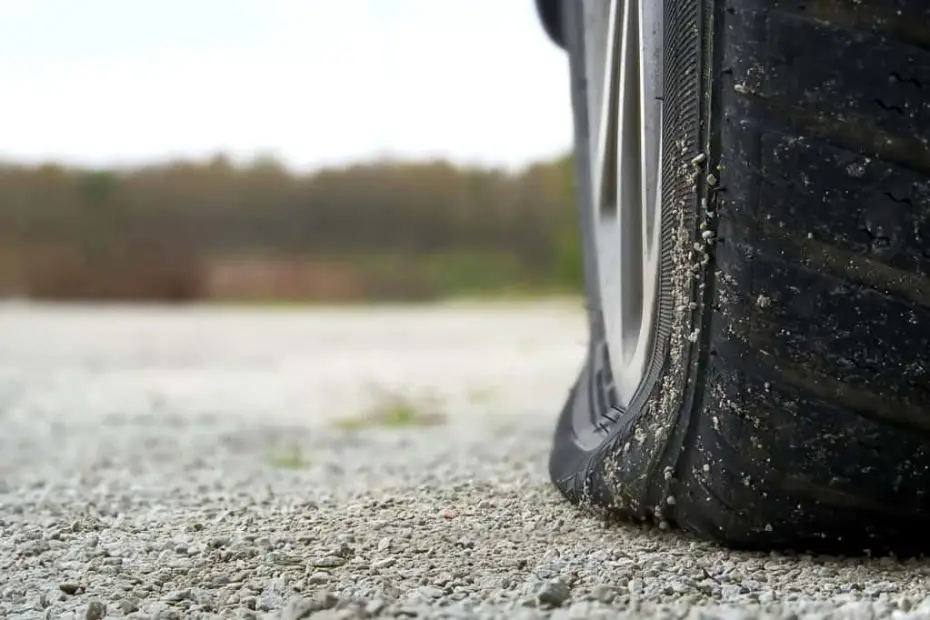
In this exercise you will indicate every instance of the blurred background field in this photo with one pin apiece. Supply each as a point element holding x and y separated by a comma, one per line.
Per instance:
<point>279,152</point>
<point>258,232</point>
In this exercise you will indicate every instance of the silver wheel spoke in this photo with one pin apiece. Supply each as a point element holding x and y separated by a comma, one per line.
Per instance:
<point>626,180</point>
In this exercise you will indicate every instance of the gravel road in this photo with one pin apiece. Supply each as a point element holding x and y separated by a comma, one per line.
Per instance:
<point>205,463</point>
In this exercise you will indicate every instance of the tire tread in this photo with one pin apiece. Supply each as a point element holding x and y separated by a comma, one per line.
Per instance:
<point>816,416</point>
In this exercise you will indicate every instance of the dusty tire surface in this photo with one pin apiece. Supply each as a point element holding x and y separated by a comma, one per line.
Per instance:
<point>789,399</point>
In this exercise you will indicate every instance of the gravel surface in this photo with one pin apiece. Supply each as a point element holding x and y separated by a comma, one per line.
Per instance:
<point>341,464</point>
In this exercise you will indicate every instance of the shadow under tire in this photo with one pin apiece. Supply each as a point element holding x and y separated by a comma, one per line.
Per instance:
<point>786,402</point>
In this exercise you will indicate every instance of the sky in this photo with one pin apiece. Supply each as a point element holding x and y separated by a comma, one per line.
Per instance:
<point>312,82</point>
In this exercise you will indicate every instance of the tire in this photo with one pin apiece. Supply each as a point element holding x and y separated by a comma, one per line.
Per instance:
<point>785,397</point>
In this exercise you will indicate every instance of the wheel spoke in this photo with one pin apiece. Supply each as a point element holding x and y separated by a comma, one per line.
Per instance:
<point>626,179</point>
<point>630,189</point>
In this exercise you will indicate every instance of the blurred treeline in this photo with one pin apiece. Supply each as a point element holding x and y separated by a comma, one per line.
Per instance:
<point>215,230</point>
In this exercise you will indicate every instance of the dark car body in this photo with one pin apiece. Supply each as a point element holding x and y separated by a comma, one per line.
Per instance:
<point>550,14</point>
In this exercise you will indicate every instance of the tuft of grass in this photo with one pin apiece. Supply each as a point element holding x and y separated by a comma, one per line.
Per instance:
<point>290,458</point>
<point>395,411</point>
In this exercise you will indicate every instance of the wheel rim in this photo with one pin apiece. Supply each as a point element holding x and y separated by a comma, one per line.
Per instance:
<point>626,63</point>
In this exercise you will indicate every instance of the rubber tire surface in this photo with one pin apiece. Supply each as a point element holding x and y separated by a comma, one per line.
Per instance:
<point>788,400</point>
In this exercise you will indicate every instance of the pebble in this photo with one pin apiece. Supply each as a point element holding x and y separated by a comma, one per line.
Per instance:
<point>95,611</point>
<point>554,593</point>
<point>70,588</point>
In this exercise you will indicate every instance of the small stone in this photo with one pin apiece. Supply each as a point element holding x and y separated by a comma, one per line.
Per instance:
<point>604,594</point>
<point>855,169</point>
<point>318,578</point>
<point>430,592</point>
<point>302,607</point>
<point>344,551</point>
<point>166,613</point>
<point>731,591</point>
<point>554,593</point>
<point>384,544</point>
<point>178,595</point>
<point>528,601</point>
<point>127,606</point>
<point>219,541</point>
<point>268,601</point>
<point>449,513</point>
<point>37,547</point>
<point>95,611</point>
<point>329,561</point>
<point>374,607</point>
<point>70,588</point>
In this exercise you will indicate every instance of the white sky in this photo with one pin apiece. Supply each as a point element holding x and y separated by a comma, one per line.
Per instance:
<point>314,82</point>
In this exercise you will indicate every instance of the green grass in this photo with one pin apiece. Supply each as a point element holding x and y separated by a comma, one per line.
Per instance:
<point>289,458</point>
<point>395,411</point>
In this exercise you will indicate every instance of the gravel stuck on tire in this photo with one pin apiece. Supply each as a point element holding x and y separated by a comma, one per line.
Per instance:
<point>131,486</point>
